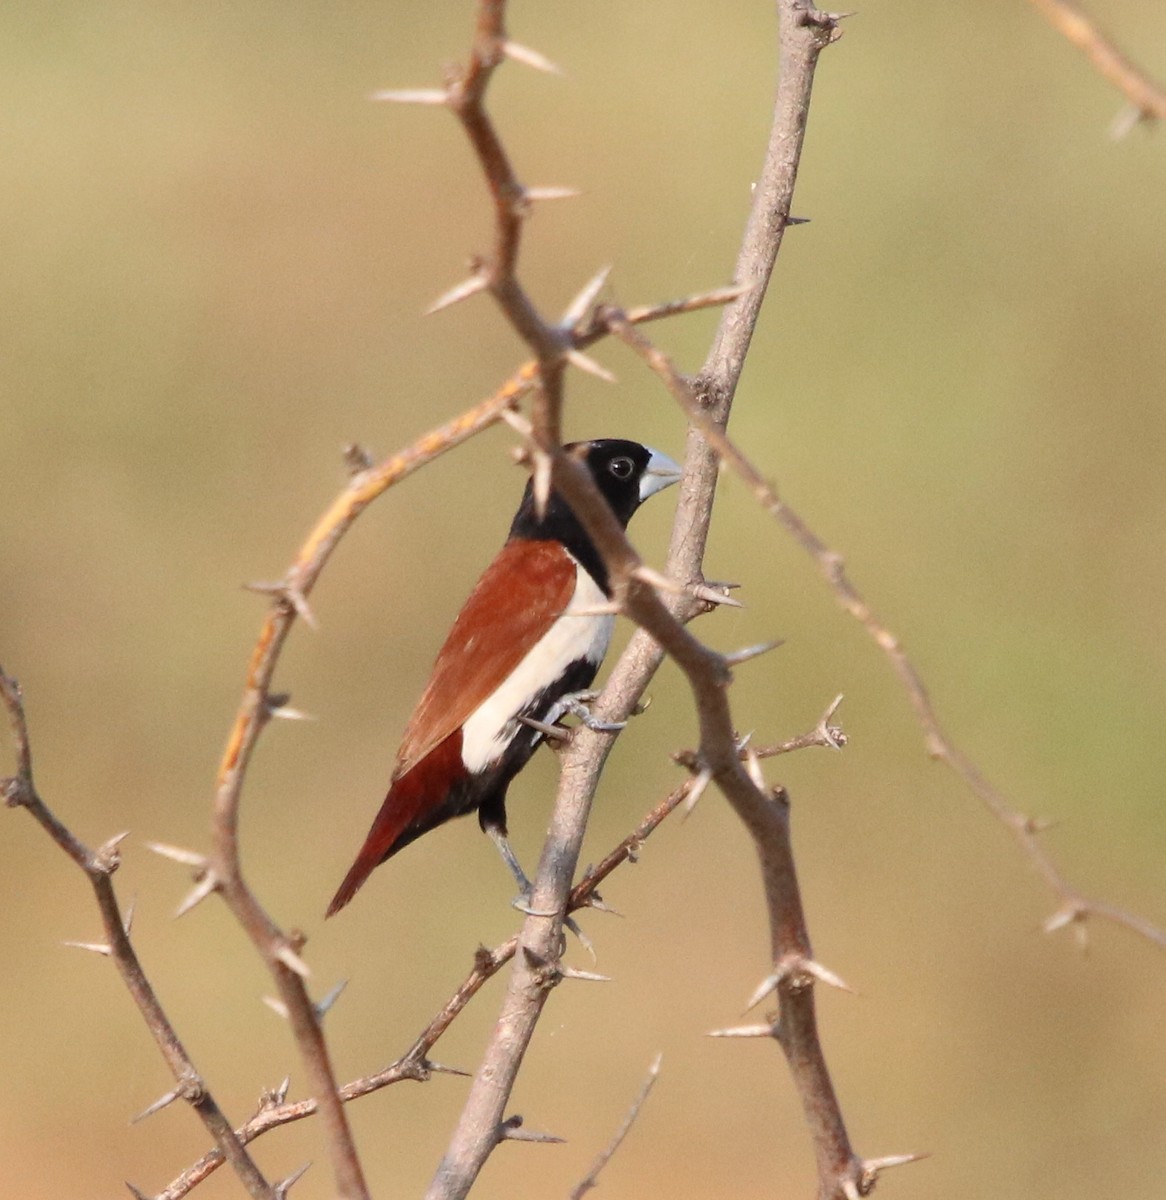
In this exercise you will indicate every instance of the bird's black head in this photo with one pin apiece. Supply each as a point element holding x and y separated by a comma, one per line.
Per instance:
<point>624,471</point>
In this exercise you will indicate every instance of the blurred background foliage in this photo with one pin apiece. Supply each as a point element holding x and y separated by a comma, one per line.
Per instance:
<point>216,253</point>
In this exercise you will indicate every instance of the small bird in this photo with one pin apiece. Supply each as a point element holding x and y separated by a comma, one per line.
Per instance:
<point>530,637</point>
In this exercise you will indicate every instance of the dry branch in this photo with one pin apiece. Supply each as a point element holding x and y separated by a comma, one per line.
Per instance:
<point>1072,906</point>
<point>1145,95</point>
<point>19,791</point>
<point>804,33</point>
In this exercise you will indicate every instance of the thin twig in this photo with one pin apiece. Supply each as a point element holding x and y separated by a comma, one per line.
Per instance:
<point>99,865</point>
<point>1145,95</point>
<point>591,1179</point>
<point>414,1064</point>
<point>1072,907</point>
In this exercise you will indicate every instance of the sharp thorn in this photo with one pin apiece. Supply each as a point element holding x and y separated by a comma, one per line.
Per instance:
<point>137,1193</point>
<point>1065,915</point>
<point>1125,122</point>
<point>703,592</point>
<point>535,194</point>
<point>290,959</point>
<point>285,1185</point>
<point>596,901</point>
<point>158,1105</point>
<point>322,1006</point>
<point>825,975</point>
<point>275,1096</point>
<point>411,96</point>
<point>744,1031</point>
<point>511,1130</point>
<point>441,1069</point>
<point>189,858</point>
<point>753,769</point>
<point>584,299</point>
<point>585,363</point>
<point>107,851</point>
<point>285,712</point>
<point>530,58</point>
<point>570,923</point>
<point>541,482</point>
<point>521,426</point>
<point>748,652</point>
<point>299,602</point>
<point>459,292</point>
<point>201,890</point>
<point>586,976</point>
<point>767,985</point>
<point>796,221</point>
<point>277,1006</point>
<point>101,948</point>
<point>872,1166</point>
<point>697,789</point>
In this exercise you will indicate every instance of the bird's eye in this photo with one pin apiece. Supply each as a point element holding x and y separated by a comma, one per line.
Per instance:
<point>621,468</point>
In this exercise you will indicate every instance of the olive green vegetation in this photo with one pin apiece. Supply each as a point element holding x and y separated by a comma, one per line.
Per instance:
<point>216,252</point>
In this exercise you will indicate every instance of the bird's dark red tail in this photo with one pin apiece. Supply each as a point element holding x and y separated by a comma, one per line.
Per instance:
<point>410,799</point>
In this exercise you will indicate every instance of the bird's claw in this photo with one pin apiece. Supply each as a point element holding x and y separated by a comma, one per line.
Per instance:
<point>576,705</point>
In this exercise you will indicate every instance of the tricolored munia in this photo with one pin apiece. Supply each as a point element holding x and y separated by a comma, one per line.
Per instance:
<point>531,635</point>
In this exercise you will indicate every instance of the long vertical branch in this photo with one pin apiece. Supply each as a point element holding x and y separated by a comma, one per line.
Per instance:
<point>804,33</point>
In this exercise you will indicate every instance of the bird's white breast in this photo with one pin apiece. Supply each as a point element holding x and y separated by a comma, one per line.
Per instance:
<point>490,729</point>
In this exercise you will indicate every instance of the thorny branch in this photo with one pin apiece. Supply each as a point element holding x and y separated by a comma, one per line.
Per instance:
<point>414,1064</point>
<point>19,791</point>
<point>1073,907</point>
<point>1146,97</point>
<point>804,32</point>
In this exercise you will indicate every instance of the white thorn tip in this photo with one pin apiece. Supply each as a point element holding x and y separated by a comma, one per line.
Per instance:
<point>703,592</point>
<point>93,947</point>
<point>159,1104</point>
<point>277,1006</point>
<point>872,1166</point>
<point>517,422</point>
<point>189,858</point>
<point>108,847</point>
<point>1065,915</point>
<point>535,194</point>
<point>697,789</point>
<point>284,1186</point>
<point>588,976</point>
<point>584,299</point>
<point>286,713</point>
<point>530,58</point>
<point>290,959</point>
<point>456,294</point>
<point>825,975</point>
<point>743,1031</point>
<point>410,96</point>
<point>578,359</point>
<point>767,985</point>
<point>749,652</point>
<point>209,883</point>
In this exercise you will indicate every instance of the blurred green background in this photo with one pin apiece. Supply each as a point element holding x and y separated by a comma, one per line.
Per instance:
<point>216,253</point>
